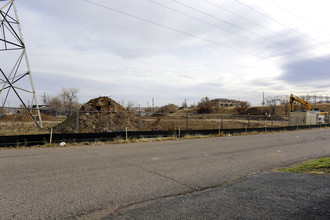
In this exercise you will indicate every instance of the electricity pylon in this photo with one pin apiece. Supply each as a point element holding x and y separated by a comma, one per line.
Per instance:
<point>15,73</point>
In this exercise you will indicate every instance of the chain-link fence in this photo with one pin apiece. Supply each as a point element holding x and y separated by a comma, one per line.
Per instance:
<point>15,121</point>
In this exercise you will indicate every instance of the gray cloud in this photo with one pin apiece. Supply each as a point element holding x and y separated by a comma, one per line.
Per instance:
<point>307,70</point>
<point>75,44</point>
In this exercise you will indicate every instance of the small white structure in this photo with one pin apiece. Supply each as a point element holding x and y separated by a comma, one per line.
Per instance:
<point>306,118</point>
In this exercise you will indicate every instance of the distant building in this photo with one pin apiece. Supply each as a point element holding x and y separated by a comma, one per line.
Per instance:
<point>227,102</point>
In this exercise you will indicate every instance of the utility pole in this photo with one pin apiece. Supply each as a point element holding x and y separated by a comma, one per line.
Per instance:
<point>153,105</point>
<point>263,98</point>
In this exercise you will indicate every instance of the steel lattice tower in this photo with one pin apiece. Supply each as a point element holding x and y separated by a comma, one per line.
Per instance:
<point>15,73</point>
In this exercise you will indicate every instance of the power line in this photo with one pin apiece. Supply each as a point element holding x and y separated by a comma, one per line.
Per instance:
<point>251,32</point>
<point>173,29</point>
<point>205,22</point>
<point>300,18</point>
<point>280,23</point>
<point>237,15</point>
<point>244,18</point>
<point>211,24</point>
<point>187,33</point>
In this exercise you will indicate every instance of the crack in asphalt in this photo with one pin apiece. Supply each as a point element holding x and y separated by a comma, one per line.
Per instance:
<point>174,180</point>
<point>101,214</point>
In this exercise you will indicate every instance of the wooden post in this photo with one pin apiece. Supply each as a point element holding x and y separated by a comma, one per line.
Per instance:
<point>126,134</point>
<point>57,122</point>
<point>14,122</point>
<point>51,136</point>
<point>77,122</point>
<point>140,120</point>
<point>221,125</point>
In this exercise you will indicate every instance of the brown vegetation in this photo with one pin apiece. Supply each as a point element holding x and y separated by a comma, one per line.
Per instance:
<point>170,108</point>
<point>207,106</point>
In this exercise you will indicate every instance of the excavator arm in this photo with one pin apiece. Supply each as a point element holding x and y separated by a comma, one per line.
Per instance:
<point>297,99</point>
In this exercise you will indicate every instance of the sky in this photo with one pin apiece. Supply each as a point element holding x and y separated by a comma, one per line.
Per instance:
<point>172,50</point>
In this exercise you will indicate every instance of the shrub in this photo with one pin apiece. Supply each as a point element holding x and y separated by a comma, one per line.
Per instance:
<point>207,106</point>
<point>170,108</point>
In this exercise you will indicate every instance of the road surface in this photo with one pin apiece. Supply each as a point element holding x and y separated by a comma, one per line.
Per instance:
<point>95,181</point>
<point>289,196</point>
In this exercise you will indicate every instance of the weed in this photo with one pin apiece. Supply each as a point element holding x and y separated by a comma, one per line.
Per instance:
<point>319,166</point>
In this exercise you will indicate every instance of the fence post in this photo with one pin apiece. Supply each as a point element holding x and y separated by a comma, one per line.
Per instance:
<point>35,128</point>
<point>187,121</point>
<point>77,121</point>
<point>248,121</point>
<point>56,115</point>
<point>166,123</point>
<point>14,122</point>
<point>221,122</point>
<point>272,120</point>
<point>289,119</point>
<point>110,121</point>
<point>51,136</point>
<point>140,121</point>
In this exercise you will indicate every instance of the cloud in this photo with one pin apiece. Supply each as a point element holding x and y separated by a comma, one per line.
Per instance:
<point>307,70</point>
<point>76,44</point>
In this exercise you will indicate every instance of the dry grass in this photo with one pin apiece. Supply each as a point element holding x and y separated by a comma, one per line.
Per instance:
<point>319,166</point>
<point>22,128</point>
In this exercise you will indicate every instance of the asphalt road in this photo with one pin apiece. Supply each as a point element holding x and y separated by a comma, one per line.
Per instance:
<point>95,181</point>
<point>265,196</point>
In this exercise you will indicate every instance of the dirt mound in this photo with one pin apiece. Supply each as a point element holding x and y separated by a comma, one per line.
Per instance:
<point>102,104</point>
<point>25,117</point>
<point>100,115</point>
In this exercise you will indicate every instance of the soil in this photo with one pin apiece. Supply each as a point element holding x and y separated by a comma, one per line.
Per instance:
<point>100,115</point>
<point>25,117</point>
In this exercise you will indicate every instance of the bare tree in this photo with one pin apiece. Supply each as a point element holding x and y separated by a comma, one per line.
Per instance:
<point>130,105</point>
<point>286,104</point>
<point>242,108</point>
<point>206,106</point>
<point>69,98</point>
<point>122,102</point>
<point>272,102</point>
<point>56,104</point>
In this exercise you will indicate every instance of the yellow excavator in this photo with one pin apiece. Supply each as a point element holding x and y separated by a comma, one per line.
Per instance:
<point>301,101</point>
<point>321,118</point>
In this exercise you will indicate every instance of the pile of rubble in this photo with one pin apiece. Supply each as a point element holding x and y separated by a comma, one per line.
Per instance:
<point>100,115</point>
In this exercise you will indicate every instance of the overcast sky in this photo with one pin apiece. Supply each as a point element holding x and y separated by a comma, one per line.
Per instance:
<point>182,49</point>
